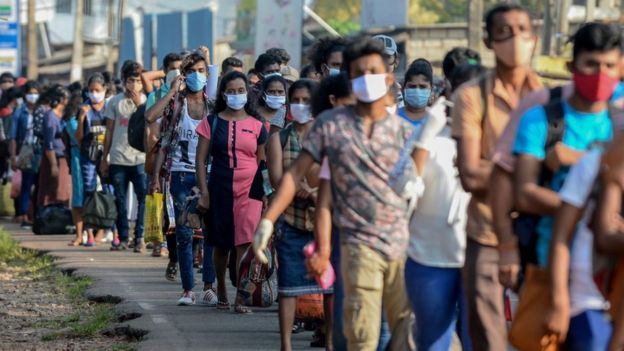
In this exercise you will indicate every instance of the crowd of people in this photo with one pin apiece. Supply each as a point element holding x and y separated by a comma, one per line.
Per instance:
<point>430,203</point>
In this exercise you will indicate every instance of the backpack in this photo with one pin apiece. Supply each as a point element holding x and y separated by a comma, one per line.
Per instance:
<point>136,129</point>
<point>257,283</point>
<point>53,219</point>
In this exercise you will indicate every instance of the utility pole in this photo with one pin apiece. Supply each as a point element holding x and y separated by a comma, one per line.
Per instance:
<point>475,24</point>
<point>548,28</point>
<point>75,73</point>
<point>590,10</point>
<point>111,42</point>
<point>33,65</point>
<point>563,27</point>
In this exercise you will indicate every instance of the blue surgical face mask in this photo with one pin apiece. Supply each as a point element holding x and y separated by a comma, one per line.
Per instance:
<point>196,81</point>
<point>236,101</point>
<point>416,97</point>
<point>267,75</point>
<point>334,71</point>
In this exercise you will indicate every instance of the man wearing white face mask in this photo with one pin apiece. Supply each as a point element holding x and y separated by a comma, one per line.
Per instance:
<point>481,112</point>
<point>371,216</point>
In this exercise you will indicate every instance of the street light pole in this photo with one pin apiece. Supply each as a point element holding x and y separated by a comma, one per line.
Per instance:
<point>33,65</point>
<point>75,73</point>
<point>475,24</point>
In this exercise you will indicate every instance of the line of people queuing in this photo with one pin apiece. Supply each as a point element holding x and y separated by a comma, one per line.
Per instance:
<point>430,203</point>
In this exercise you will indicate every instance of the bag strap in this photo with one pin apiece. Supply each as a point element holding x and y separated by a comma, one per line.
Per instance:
<point>556,127</point>
<point>284,134</point>
<point>213,126</point>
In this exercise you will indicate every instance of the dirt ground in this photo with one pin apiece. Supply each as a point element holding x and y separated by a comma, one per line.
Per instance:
<point>37,313</point>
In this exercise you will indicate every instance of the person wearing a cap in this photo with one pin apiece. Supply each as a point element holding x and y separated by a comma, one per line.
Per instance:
<point>390,50</point>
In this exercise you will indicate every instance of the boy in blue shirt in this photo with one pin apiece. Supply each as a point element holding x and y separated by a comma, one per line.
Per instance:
<point>546,148</point>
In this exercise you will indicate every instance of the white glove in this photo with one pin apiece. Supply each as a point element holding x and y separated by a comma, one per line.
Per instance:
<point>261,239</point>
<point>434,123</point>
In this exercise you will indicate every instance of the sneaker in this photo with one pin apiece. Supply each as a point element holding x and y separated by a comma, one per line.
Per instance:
<point>89,243</point>
<point>139,246</point>
<point>122,246</point>
<point>187,299</point>
<point>209,298</point>
<point>26,226</point>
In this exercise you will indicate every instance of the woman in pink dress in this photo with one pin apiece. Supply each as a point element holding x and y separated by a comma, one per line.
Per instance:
<point>234,139</point>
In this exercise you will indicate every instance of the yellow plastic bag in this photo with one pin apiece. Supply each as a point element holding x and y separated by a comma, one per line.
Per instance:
<point>154,210</point>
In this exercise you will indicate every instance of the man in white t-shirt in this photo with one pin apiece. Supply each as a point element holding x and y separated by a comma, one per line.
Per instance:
<point>586,325</point>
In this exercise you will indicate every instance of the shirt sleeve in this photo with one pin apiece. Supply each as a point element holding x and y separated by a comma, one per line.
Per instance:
<point>581,179</point>
<point>111,107</point>
<point>49,133</point>
<point>467,113</point>
<point>151,100</point>
<point>203,129</point>
<point>503,156</point>
<point>532,133</point>
<point>314,141</point>
<point>279,119</point>
<point>325,173</point>
<point>14,121</point>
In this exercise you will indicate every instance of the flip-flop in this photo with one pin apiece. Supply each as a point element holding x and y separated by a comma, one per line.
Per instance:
<point>240,309</point>
<point>223,305</point>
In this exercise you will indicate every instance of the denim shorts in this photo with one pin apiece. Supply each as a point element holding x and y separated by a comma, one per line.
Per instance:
<point>292,276</point>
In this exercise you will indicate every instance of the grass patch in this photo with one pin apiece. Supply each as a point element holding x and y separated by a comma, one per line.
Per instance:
<point>29,261</point>
<point>88,320</point>
<point>123,347</point>
<point>75,287</point>
<point>99,319</point>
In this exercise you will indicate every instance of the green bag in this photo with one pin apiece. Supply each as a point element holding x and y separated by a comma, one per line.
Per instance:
<point>100,211</point>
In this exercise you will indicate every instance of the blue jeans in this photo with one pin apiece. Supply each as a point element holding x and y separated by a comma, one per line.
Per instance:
<point>121,176</point>
<point>339,340</point>
<point>590,330</point>
<point>436,296</point>
<point>181,185</point>
<point>28,179</point>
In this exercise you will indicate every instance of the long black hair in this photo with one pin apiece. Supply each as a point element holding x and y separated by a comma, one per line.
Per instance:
<point>338,85</point>
<point>265,85</point>
<point>221,104</point>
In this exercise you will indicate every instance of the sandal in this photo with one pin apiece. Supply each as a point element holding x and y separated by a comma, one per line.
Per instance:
<point>156,251</point>
<point>172,271</point>
<point>240,309</point>
<point>223,305</point>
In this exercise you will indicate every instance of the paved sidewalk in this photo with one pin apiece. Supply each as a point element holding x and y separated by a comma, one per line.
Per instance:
<point>138,280</point>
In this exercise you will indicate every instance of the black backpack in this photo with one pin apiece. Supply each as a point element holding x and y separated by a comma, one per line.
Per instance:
<point>136,129</point>
<point>53,219</point>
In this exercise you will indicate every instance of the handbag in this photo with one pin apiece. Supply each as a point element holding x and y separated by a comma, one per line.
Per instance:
<point>257,283</point>
<point>310,308</point>
<point>26,157</point>
<point>16,184</point>
<point>527,332</point>
<point>100,211</point>
<point>260,186</point>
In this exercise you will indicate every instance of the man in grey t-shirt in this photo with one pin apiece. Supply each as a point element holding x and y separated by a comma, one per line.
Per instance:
<point>120,161</point>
